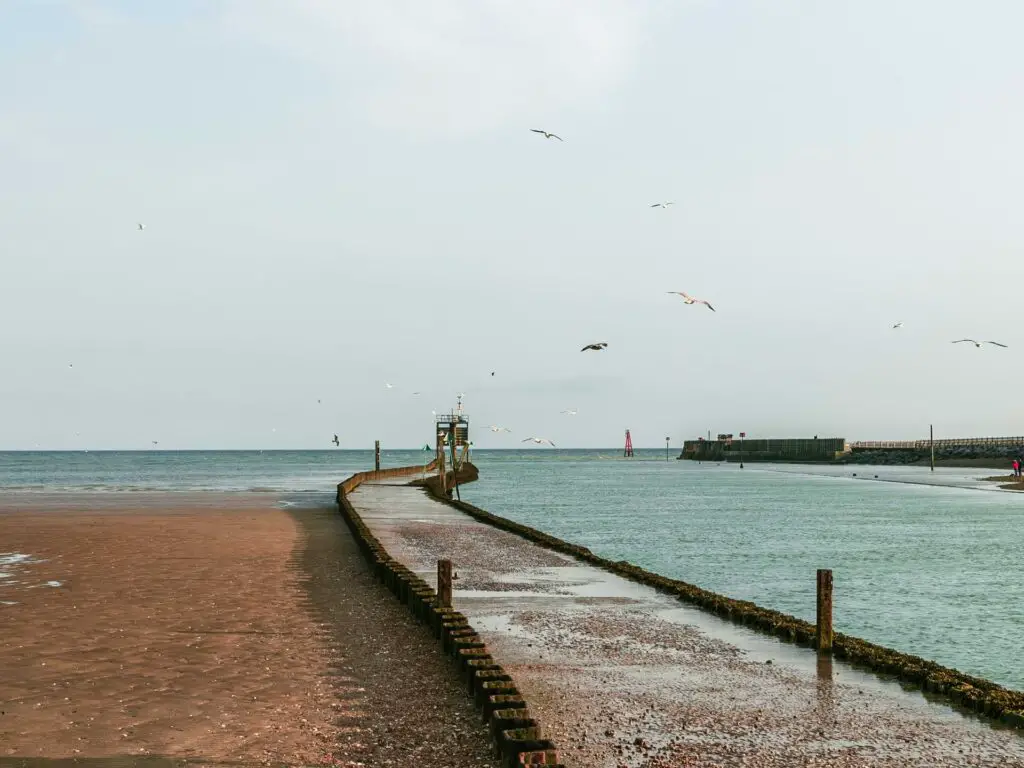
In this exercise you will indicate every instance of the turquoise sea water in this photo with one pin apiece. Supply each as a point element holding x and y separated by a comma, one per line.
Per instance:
<point>928,564</point>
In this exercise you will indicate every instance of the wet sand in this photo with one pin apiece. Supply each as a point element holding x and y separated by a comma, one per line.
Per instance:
<point>211,629</point>
<point>620,675</point>
<point>1007,482</point>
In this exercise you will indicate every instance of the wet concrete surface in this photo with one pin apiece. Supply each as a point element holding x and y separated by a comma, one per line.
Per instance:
<point>620,675</point>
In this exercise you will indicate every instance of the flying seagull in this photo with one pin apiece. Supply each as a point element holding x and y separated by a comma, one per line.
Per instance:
<point>335,440</point>
<point>546,134</point>
<point>499,429</point>
<point>688,299</point>
<point>898,325</point>
<point>389,386</point>
<point>666,204</point>
<point>570,412</point>
<point>141,226</point>
<point>492,373</point>
<point>538,441</point>
<point>596,347</point>
<point>979,343</point>
<point>154,442</point>
<point>416,393</point>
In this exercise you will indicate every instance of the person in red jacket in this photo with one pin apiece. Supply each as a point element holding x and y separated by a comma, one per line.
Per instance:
<point>1016,468</point>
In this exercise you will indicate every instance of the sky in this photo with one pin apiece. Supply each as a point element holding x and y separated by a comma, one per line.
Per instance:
<point>339,195</point>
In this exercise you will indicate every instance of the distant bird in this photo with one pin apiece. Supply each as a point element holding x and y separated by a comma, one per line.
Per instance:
<point>499,429</point>
<point>415,393</point>
<point>71,365</point>
<point>570,412</point>
<point>666,204</point>
<point>979,343</point>
<point>318,400</point>
<point>538,440</point>
<point>492,373</point>
<point>546,134</point>
<point>597,347</point>
<point>898,325</point>
<point>335,440</point>
<point>154,442</point>
<point>388,385</point>
<point>141,226</point>
<point>688,299</point>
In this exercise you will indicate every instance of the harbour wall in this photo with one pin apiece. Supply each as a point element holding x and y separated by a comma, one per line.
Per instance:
<point>981,696</point>
<point>350,484</point>
<point>813,449</point>
<point>837,450</point>
<point>517,735</point>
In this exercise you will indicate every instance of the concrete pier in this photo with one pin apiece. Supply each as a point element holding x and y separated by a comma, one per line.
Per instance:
<point>620,674</point>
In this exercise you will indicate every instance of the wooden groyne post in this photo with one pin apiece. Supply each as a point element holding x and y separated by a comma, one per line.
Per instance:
<point>444,583</point>
<point>376,455</point>
<point>825,610</point>
<point>441,474</point>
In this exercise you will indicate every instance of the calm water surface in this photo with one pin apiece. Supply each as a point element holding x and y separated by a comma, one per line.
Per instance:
<point>928,564</point>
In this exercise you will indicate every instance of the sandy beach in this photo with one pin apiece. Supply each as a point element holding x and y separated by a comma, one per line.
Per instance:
<point>211,629</point>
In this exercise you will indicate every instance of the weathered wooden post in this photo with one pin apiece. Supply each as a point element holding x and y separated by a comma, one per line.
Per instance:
<point>825,610</point>
<point>441,475</point>
<point>444,583</point>
<point>376,455</point>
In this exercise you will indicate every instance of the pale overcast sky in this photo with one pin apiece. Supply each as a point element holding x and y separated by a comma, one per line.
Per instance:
<point>339,194</point>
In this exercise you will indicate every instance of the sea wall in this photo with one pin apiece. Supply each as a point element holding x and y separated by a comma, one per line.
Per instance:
<point>349,485</point>
<point>811,449</point>
<point>976,694</point>
<point>516,733</point>
<point>919,451</point>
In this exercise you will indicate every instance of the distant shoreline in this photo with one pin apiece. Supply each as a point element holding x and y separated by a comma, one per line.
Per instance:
<point>995,463</point>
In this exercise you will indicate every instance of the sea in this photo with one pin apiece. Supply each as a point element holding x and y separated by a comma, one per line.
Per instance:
<point>927,563</point>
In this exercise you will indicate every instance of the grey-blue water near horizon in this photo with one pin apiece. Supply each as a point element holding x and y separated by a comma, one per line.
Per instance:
<point>925,563</point>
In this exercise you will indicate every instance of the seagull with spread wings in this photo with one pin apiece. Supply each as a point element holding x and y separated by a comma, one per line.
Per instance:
<point>570,411</point>
<point>688,299</point>
<point>495,428</point>
<point>666,204</point>
<point>538,441</point>
<point>979,343</point>
<point>546,135</point>
<point>597,347</point>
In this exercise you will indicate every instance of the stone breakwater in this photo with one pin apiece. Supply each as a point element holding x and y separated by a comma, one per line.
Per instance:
<point>517,736</point>
<point>997,453</point>
<point>984,697</point>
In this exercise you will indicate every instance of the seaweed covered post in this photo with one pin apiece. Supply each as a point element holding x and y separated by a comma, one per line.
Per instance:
<point>376,455</point>
<point>824,639</point>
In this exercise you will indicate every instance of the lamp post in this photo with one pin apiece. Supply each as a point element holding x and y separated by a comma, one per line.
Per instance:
<point>742,435</point>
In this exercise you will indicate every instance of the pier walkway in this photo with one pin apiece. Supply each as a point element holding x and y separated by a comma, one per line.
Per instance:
<point>621,675</point>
